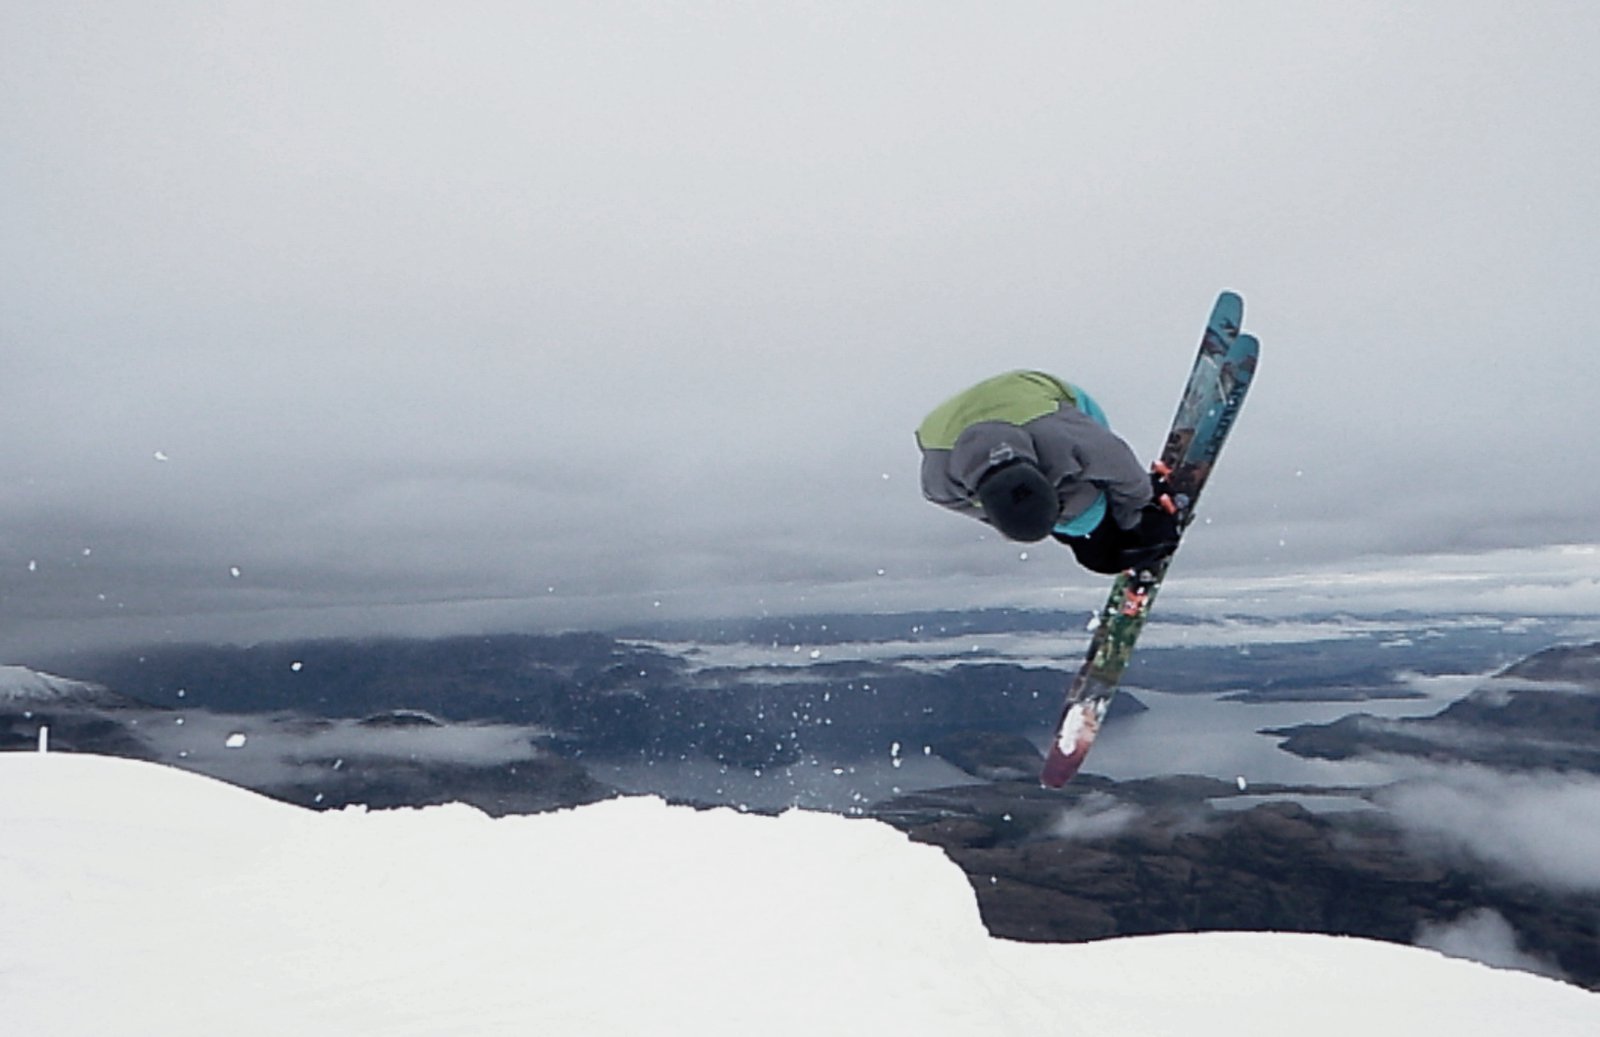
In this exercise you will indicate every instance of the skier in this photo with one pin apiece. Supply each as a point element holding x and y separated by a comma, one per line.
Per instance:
<point>1034,456</point>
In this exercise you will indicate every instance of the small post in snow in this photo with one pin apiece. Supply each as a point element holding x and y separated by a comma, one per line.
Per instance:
<point>44,738</point>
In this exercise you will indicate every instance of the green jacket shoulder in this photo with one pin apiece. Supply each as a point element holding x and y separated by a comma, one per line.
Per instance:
<point>1016,398</point>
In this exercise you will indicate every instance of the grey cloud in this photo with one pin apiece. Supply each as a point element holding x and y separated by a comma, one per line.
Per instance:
<point>428,305</point>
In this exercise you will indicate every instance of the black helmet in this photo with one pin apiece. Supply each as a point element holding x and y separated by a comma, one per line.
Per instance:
<point>1019,501</point>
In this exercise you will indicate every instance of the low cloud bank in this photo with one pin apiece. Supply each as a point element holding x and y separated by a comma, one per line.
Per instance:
<point>1484,936</point>
<point>1098,816</point>
<point>1541,827</point>
<point>284,748</point>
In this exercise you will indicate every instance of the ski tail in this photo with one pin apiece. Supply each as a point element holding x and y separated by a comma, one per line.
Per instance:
<point>1072,743</point>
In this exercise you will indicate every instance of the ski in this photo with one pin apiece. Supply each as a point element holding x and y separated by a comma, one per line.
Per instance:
<point>1218,381</point>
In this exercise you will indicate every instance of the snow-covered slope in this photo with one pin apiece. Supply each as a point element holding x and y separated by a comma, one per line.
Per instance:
<point>22,686</point>
<point>140,899</point>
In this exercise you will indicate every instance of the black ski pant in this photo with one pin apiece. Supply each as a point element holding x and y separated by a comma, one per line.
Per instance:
<point>1101,551</point>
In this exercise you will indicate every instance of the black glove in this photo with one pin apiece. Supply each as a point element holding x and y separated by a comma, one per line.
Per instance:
<point>1154,538</point>
<point>1157,526</point>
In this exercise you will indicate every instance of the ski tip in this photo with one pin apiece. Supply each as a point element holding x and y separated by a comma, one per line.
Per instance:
<point>1227,316</point>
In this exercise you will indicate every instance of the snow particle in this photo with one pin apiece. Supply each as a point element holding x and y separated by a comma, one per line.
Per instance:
<point>235,740</point>
<point>160,455</point>
<point>296,666</point>
<point>233,570</point>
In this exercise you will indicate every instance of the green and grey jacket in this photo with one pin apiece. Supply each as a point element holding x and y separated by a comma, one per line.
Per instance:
<point>1040,418</point>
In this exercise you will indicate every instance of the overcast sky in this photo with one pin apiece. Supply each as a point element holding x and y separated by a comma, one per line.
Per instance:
<point>315,313</point>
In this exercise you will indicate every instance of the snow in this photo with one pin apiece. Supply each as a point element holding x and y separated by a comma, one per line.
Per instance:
<point>142,899</point>
<point>20,684</point>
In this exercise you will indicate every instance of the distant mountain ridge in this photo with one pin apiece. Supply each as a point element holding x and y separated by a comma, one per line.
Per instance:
<point>79,714</point>
<point>1540,713</point>
<point>1579,663</point>
<point>20,685</point>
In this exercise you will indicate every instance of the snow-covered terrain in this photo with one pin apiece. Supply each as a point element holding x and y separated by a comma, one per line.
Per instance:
<point>20,684</point>
<point>141,899</point>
